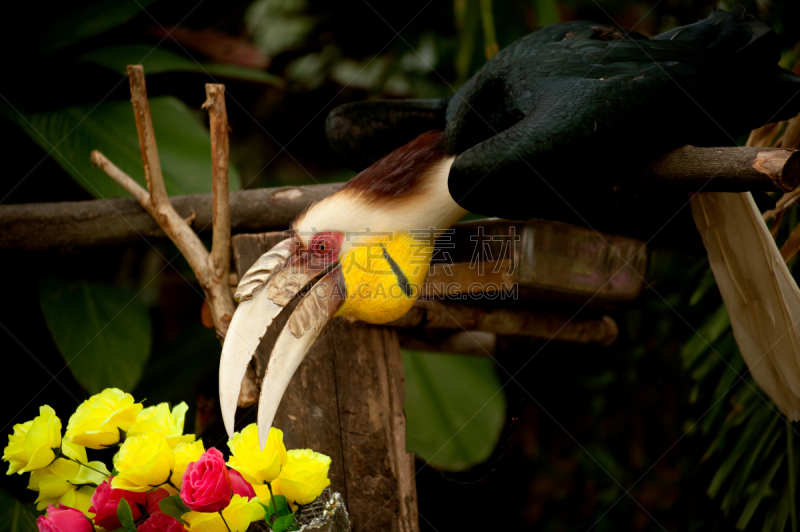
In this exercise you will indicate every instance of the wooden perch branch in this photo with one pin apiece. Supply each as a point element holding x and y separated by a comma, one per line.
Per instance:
<point>211,270</point>
<point>121,221</point>
<point>691,169</point>
<point>767,135</point>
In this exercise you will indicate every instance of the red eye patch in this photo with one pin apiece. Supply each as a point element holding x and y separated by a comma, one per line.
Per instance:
<point>326,245</point>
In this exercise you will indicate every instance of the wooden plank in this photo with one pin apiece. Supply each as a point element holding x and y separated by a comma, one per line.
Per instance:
<point>547,260</point>
<point>512,322</point>
<point>346,401</point>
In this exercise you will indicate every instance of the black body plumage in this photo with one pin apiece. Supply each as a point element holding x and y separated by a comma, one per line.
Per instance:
<point>551,122</point>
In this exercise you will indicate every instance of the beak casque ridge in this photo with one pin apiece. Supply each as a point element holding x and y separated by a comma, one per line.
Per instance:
<point>295,340</point>
<point>264,291</point>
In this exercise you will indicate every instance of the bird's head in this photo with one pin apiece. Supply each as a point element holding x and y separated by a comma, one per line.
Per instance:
<point>370,244</point>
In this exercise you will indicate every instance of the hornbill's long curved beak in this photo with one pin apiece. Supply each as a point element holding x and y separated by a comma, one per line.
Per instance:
<point>265,290</point>
<point>361,241</point>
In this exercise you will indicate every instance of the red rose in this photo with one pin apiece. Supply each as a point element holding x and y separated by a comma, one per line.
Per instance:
<point>206,483</point>
<point>105,501</point>
<point>154,498</point>
<point>64,519</point>
<point>240,485</point>
<point>160,522</point>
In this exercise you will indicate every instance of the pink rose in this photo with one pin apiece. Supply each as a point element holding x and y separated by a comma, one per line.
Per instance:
<point>105,501</point>
<point>160,522</point>
<point>206,483</point>
<point>64,519</point>
<point>240,485</point>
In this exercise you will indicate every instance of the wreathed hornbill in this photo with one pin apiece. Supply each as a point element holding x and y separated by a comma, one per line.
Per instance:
<point>544,128</point>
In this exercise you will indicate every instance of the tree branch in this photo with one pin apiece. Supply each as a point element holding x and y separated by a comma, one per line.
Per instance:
<point>211,272</point>
<point>735,169</point>
<point>147,137</point>
<point>121,221</point>
<point>220,257</point>
<point>122,179</point>
<point>219,260</point>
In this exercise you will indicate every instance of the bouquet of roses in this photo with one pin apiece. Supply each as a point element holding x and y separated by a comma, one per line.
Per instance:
<point>162,479</point>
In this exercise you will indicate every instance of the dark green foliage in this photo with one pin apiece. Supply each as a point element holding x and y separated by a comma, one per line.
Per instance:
<point>103,331</point>
<point>174,506</point>
<point>16,516</point>
<point>125,516</point>
<point>70,135</point>
<point>752,448</point>
<point>162,60</point>
<point>625,407</point>
<point>278,515</point>
<point>455,408</point>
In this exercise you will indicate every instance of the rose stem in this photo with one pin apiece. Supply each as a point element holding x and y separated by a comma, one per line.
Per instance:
<point>86,466</point>
<point>224,521</point>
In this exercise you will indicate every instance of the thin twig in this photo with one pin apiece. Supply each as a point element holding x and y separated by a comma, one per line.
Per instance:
<point>147,137</point>
<point>788,139</point>
<point>122,179</point>
<point>791,246</point>
<point>211,272</point>
<point>220,257</point>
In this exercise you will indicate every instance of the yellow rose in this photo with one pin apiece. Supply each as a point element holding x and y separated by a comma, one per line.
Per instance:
<point>63,476</point>
<point>185,453</point>
<point>33,444</point>
<point>97,421</point>
<point>304,476</point>
<point>79,498</point>
<point>255,465</point>
<point>238,514</point>
<point>160,418</point>
<point>143,461</point>
<point>54,489</point>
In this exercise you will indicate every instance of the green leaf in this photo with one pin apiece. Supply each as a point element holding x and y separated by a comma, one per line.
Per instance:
<point>76,23</point>
<point>69,135</point>
<point>718,323</point>
<point>781,514</point>
<point>279,506</point>
<point>705,284</point>
<point>730,374</point>
<point>268,513</point>
<point>756,454</point>
<point>16,516</point>
<point>455,408</point>
<point>489,35</point>
<point>762,490</point>
<point>177,367</point>
<point>160,60</point>
<point>469,22</point>
<point>546,12</point>
<point>744,442</point>
<point>102,331</point>
<point>283,523</point>
<point>173,505</point>
<point>125,516</point>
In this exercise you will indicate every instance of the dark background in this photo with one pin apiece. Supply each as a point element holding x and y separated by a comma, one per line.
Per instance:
<point>593,438</point>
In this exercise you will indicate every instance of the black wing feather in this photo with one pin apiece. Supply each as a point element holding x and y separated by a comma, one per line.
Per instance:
<point>363,132</point>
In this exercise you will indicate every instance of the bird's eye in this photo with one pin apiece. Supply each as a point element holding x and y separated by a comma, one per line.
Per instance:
<point>325,245</point>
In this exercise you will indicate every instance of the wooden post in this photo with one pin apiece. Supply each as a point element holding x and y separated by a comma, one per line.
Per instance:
<point>346,401</point>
